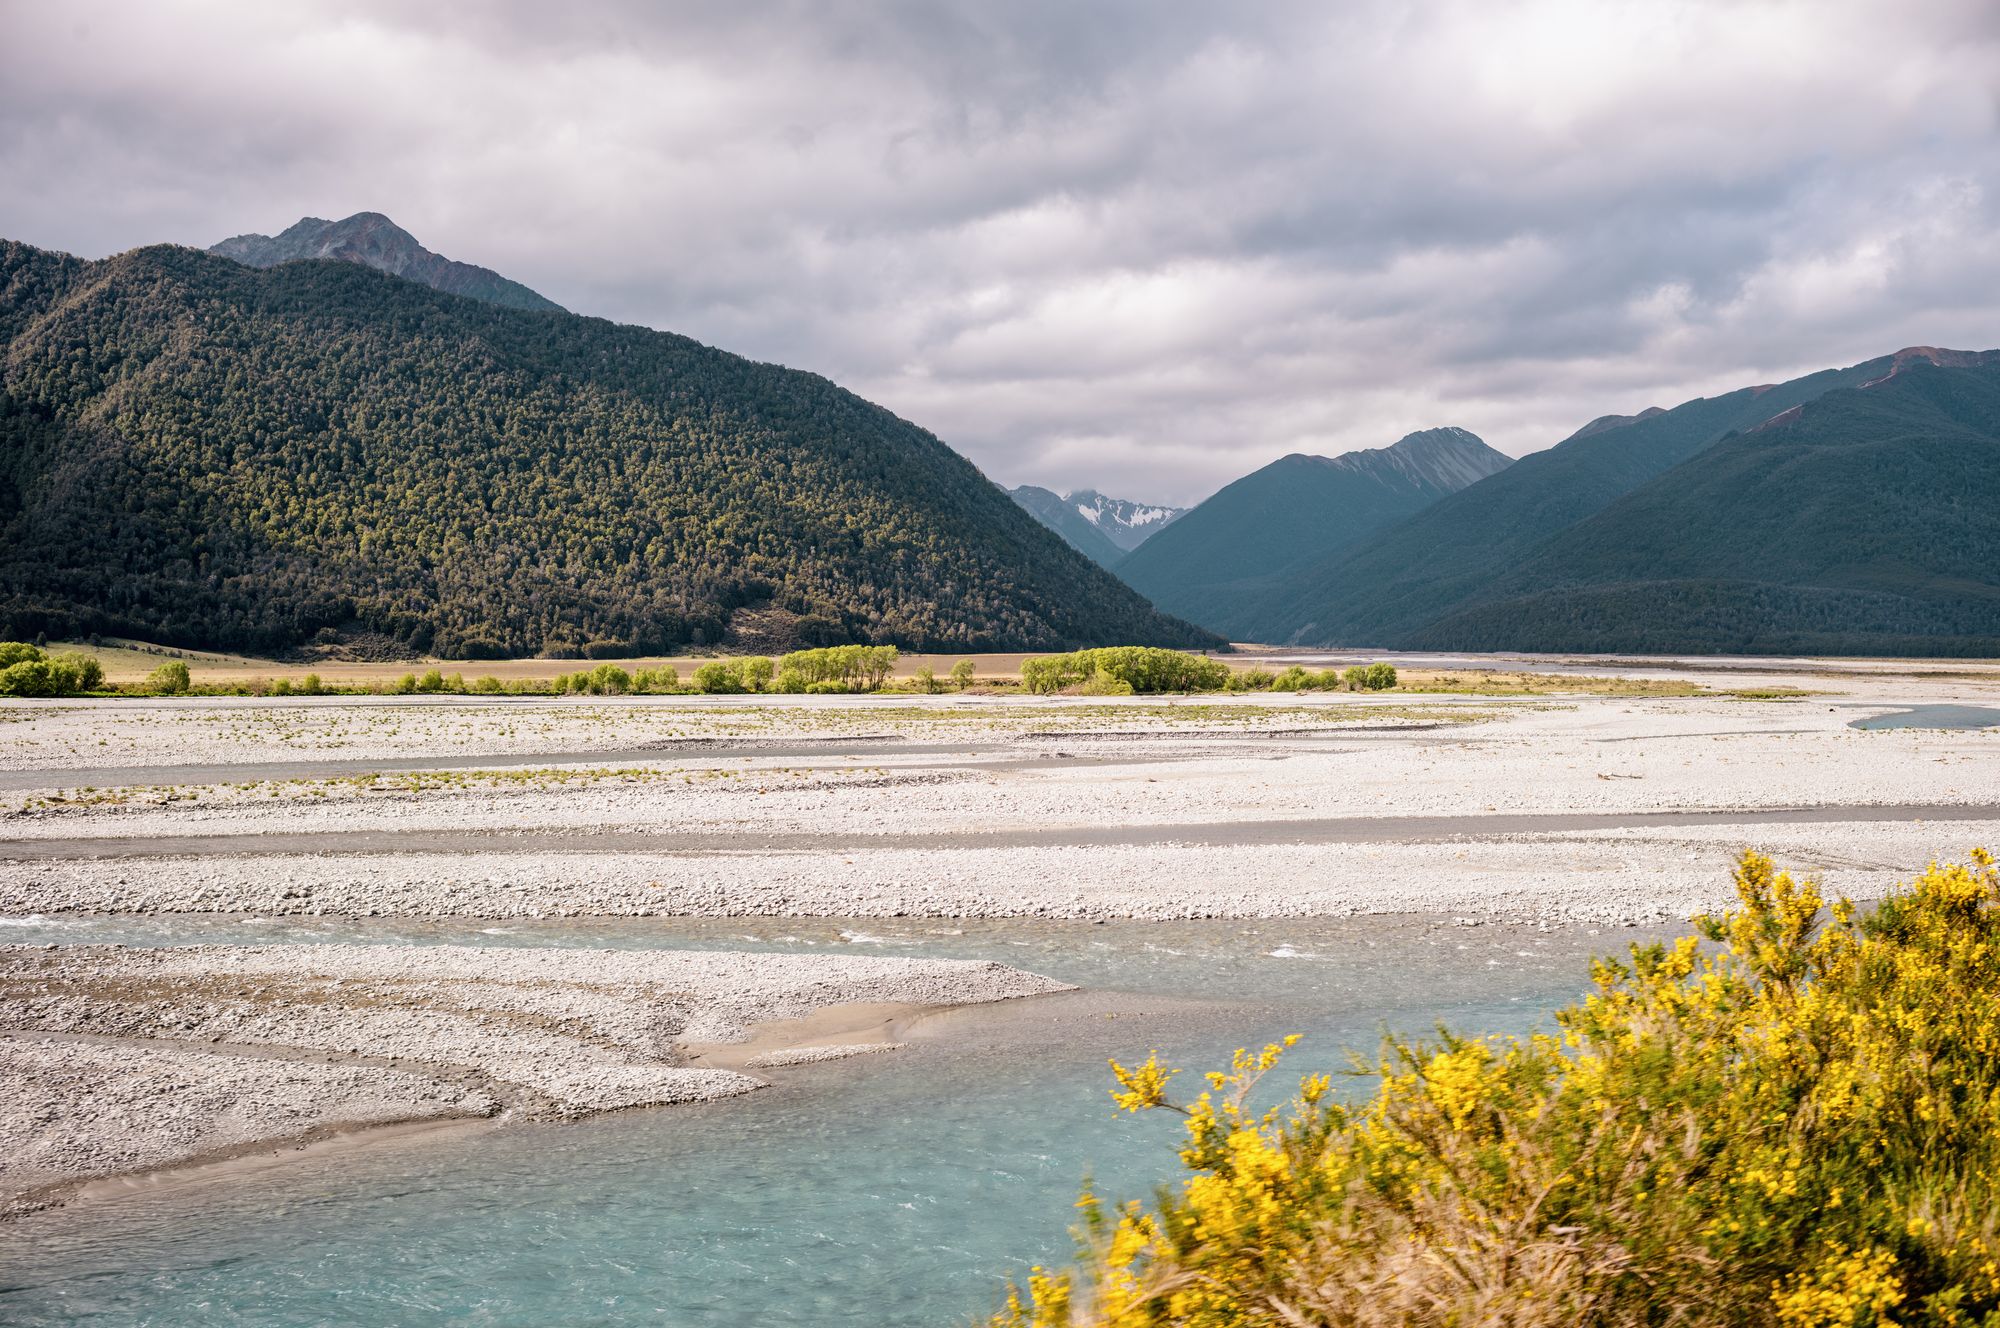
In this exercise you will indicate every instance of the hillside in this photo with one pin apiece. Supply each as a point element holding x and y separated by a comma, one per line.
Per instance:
<point>1054,511</point>
<point>206,454</point>
<point>1446,558</point>
<point>371,239</point>
<point>1216,562</point>
<point>1860,523</point>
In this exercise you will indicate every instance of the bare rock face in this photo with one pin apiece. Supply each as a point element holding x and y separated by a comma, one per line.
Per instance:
<point>371,239</point>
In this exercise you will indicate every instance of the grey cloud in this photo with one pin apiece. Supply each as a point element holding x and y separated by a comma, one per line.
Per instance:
<point>1144,247</point>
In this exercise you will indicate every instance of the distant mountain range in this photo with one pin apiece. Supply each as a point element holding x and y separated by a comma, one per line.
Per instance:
<point>1103,529</point>
<point>205,453</point>
<point>372,240</point>
<point>1847,511</point>
<point>1219,562</point>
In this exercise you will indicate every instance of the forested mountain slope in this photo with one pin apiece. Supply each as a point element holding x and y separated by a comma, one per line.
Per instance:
<point>209,454</point>
<point>1446,558</point>
<point>1213,564</point>
<point>1861,523</point>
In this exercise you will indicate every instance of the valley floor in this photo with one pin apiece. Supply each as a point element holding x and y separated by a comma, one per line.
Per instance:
<point>1552,809</point>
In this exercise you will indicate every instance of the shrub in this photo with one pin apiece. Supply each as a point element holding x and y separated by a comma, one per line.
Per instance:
<point>856,668</point>
<point>717,676</point>
<point>926,679</point>
<point>828,688</point>
<point>405,684</point>
<point>18,652</point>
<point>310,685</point>
<point>961,674</point>
<point>1293,679</point>
<point>756,673</point>
<point>1380,677</point>
<point>790,681</point>
<point>170,679</point>
<point>31,677</point>
<point>1102,683</point>
<point>1148,669</point>
<point>666,678</point>
<point>432,681</point>
<point>80,672</point>
<point>609,680</point>
<point>1251,680</point>
<point>486,684</point>
<point>1799,1125</point>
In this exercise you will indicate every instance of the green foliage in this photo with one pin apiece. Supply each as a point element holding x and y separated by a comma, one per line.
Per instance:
<point>1102,682</point>
<point>31,677</point>
<point>926,679</point>
<point>962,674</point>
<point>170,679</point>
<point>202,453</point>
<point>1855,526</point>
<point>82,673</point>
<point>26,670</point>
<point>1146,669</point>
<point>1294,679</point>
<point>720,676</point>
<point>1797,1125</point>
<point>855,668</point>
<point>1369,677</point>
<point>1214,565</point>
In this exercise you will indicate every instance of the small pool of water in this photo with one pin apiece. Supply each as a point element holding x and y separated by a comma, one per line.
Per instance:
<point>1932,717</point>
<point>882,1191</point>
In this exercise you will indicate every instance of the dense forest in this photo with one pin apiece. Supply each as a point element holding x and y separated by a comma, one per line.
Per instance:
<point>1443,559</point>
<point>1860,524</point>
<point>1798,517</point>
<point>205,454</point>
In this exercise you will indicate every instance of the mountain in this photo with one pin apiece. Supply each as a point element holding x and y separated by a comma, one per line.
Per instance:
<point>1054,511</point>
<point>1860,522</point>
<point>1216,563</point>
<point>1103,529</point>
<point>371,239</point>
<point>1125,523</point>
<point>1448,557</point>
<point>209,454</point>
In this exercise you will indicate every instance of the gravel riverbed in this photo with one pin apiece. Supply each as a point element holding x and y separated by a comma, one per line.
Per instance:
<point>1554,809</point>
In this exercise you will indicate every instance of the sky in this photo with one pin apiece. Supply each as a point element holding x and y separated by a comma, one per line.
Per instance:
<point>1144,248</point>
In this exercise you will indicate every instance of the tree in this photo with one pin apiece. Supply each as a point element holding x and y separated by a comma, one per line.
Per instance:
<point>961,674</point>
<point>170,679</point>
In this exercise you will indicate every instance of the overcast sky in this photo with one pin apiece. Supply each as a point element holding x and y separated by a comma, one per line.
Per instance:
<point>1145,248</point>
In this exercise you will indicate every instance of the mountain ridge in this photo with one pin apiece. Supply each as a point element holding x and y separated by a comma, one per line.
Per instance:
<point>1857,522</point>
<point>205,453</point>
<point>1102,528</point>
<point>1436,562</point>
<point>1231,549</point>
<point>372,240</point>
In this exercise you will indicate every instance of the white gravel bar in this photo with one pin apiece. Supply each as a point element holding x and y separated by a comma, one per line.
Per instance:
<point>365,1034</point>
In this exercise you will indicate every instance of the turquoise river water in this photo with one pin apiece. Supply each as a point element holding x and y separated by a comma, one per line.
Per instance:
<point>889,1190</point>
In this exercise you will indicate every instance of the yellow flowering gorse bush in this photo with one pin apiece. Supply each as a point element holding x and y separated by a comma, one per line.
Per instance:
<point>1797,1123</point>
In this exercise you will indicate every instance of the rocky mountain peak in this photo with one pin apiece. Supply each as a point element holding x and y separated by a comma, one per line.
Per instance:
<point>372,240</point>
